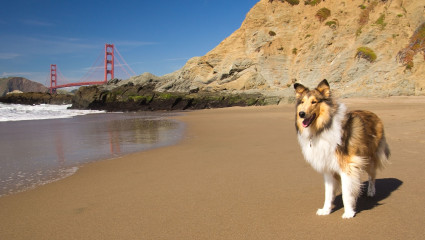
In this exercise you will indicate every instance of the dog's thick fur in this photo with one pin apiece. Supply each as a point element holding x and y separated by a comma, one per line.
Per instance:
<point>339,144</point>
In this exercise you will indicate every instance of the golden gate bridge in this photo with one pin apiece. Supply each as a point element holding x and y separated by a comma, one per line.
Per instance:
<point>107,68</point>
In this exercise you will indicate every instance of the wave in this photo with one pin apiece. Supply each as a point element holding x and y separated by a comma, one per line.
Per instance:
<point>18,112</point>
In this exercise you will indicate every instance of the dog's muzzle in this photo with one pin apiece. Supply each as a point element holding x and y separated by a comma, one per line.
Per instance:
<point>307,120</point>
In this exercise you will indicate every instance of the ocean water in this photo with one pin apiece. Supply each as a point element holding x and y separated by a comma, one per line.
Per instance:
<point>18,112</point>
<point>44,143</point>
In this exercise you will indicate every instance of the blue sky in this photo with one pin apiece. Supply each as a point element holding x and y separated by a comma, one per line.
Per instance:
<point>156,36</point>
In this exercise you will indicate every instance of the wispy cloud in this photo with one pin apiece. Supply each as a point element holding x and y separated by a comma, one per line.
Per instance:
<point>44,45</point>
<point>176,59</point>
<point>134,43</point>
<point>33,22</point>
<point>58,38</point>
<point>61,42</point>
<point>8,56</point>
<point>14,74</point>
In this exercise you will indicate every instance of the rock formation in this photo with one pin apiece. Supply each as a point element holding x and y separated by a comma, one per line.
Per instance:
<point>130,97</point>
<point>282,42</point>
<point>22,84</point>
<point>31,98</point>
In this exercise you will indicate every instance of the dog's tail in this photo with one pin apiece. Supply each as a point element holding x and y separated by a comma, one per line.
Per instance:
<point>383,153</point>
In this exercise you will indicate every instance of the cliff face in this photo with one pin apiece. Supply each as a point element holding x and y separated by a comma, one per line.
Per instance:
<point>18,83</point>
<point>279,44</point>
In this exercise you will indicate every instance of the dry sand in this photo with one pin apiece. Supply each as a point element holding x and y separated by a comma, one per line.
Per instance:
<point>237,174</point>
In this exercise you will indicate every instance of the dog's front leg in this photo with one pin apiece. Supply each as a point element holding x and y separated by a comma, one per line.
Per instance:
<point>330,185</point>
<point>350,188</point>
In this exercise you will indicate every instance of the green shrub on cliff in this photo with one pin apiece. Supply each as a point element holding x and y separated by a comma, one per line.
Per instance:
<point>312,2</point>
<point>322,14</point>
<point>380,22</point>
<point>293,2</point>
<point>366,53</point>
<point>332,24</point>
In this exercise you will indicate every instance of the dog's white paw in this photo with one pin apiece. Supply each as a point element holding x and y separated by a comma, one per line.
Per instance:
<point>348,214</point>
<point>322,212</point>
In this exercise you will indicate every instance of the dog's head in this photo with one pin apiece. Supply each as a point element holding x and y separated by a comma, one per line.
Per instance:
<point>311,105</point>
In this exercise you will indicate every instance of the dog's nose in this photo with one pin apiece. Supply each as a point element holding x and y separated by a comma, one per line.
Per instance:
<point>301,114</point>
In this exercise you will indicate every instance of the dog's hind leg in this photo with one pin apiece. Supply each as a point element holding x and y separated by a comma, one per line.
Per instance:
<point>372,176</point>
<point>379,160</point>
<point>330,188</point>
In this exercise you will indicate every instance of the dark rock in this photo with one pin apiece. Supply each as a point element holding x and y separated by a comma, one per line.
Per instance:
<point>85,96</point>
<point>31,98</point>
<point>141,98</point>
<point>113,81</point>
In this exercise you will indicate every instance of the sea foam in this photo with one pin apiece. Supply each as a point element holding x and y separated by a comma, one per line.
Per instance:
<point>18,112</point>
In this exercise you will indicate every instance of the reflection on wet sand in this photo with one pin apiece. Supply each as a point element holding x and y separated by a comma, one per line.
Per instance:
<point>138,131</point>
<point>53,148</point>
<point>59,148</point>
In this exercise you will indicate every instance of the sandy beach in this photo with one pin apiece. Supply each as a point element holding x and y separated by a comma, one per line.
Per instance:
<point>237,174</point>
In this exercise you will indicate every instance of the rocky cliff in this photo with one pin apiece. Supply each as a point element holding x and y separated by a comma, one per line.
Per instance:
<point>18,83</point>
<point>359,46</point>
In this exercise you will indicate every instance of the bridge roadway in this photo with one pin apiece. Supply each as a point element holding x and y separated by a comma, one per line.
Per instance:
<point>78,84</point>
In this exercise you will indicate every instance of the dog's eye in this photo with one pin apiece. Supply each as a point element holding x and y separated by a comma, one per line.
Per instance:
<point>313,102</point>
<point>302,101</point>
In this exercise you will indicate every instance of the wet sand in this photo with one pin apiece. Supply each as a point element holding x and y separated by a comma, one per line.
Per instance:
<point>237,174</point>
<point>36,152</point>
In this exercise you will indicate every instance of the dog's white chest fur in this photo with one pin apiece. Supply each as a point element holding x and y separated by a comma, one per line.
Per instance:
<point>319,150</point>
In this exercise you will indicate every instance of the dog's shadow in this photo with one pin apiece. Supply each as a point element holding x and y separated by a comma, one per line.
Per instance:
<point>384,188</point>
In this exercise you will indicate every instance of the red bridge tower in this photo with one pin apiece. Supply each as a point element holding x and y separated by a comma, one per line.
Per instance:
<point>109,61</point>
<point>53,78</point>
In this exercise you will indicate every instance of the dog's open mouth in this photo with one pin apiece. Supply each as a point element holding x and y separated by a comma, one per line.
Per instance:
<point>308,121</point>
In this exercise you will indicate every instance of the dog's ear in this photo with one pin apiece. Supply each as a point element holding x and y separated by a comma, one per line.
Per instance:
<point>324,88</point>
<point>299,90</point>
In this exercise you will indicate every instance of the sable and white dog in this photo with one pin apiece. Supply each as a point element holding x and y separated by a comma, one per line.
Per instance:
<point>339,144</point>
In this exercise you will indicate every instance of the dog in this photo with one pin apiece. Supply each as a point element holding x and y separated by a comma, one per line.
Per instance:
<point>339,144</point>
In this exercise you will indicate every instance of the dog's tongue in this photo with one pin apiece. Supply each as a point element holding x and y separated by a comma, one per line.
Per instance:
<point>308,121</point>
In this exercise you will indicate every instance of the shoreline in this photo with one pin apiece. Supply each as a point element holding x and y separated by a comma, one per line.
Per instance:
<point>238,173</point>
<point>37,152</point>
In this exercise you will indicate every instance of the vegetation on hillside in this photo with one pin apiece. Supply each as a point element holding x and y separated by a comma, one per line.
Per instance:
<point>292,2</point>
<point>312,2</point>
<point>334,23</point>
<point>366,53</point>
<point>416,45</point>
<point>322,14</point>
<point>296,2</point>
<point>380,22</point>
<point>364,15</point>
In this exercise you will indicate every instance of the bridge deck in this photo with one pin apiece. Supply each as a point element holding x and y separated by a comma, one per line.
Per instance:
<point>77,84</point>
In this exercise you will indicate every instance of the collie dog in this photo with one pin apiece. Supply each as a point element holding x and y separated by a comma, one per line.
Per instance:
<point>339,144</point>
